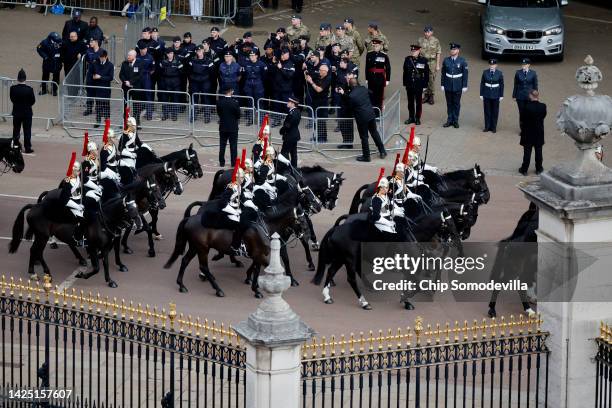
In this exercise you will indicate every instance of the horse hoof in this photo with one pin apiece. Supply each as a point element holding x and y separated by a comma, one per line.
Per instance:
<point>33,277</point>
<point>53,245</point>
<point>220,293</point>
<point>183,289</point>
<point>311,267</point>
<point>258,295</point>
<point>128,250</point>
<point>329,301</point>
<point>83,262</point>
<point>408,306</point>
<point>112,284</point>
<point>238,264</point>
<point>123,268</point>
<point>158,237</point>
<point>151,253</point>
<point>248,281</point>
<point>202,277</point>
<point>294,282</point>
<point>366,307</point>
<point>492,313</point>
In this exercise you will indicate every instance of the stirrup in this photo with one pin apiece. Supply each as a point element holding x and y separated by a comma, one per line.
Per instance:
<point>241,250</point>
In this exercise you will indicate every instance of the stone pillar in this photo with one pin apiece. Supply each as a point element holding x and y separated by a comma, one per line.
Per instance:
<point>575,206</point>
<point>274,335</point>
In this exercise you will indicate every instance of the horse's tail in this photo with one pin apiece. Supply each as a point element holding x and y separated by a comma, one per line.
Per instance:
<point>323,261</point>
<point>18,229</point>
<point>187,213</point>
<point>41,196</point>
<point>179,245</point>
<point>215,190</point>
<point>340,219</point>
<point>357,199</point>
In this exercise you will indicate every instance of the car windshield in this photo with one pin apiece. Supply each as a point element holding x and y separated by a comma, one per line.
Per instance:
<point>524,3</point>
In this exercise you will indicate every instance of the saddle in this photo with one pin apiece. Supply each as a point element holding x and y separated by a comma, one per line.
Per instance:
<point>54,208</point>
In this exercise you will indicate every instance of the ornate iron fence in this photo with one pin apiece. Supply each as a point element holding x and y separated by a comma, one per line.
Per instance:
<point>493,363</point>
<point>109,353</point>
<point>603,363</point>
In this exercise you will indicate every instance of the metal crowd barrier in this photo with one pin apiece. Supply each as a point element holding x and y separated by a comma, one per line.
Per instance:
<point>339,134</point>
<point>391,117</point>
<point>276,111</point>
<point>75,103</point>
<point>169,117</point>
<point>95,5</point>
<point>47,106</point>
<point>206,121</point>
<point>216,10</point>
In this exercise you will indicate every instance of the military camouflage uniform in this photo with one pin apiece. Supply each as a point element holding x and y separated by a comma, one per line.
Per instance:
<point>293,33</point>
<point>358,45</point>
<point>323,41</point>
<point>346,42</point>
<point>430,48</point>
<point>380,36</point>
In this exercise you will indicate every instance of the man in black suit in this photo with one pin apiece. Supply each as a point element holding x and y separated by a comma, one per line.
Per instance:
<point>130,76</point>
<point>291,132</point>
<point>228,109</point>
<point>532,137</point>
<point>358,99</point>
<point>22,97</point>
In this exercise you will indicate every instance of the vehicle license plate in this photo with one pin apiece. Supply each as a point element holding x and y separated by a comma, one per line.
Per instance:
<point>524,47</point>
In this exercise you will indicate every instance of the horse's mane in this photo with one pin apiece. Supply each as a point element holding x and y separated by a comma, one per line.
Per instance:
<point>313,169</point>
<point>149,169</point>
<point>174,155</point>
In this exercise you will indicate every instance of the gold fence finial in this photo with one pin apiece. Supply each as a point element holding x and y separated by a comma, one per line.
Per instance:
<point>418,329</point>
<point>172,313</point>
<point>47,285</point>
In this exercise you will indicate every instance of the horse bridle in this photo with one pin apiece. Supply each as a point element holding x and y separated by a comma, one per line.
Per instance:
<point>124,224</point>
<point>313,197</point>
<point>8,166</point>
<point>185,172</point>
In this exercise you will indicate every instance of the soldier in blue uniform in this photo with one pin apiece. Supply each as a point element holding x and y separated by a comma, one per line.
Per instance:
<point>454,83</point>
<point>525,80</point>
<point>170,71</point>
<point>255,72</point>
<point>50,52</point>
<point>148,69</point>
<point>229,72</point>
<point>201,70</point>
<point>491,93</point>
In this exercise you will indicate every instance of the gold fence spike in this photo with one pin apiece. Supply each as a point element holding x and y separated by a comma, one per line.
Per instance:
<point>475,330</point>
<point>437,333</point>
<point>521,324</point>
<point>447,333</point>
<point>428,334</point>
<point>399,337</point>
<point>323,346</point>
<point>511,325</point>
<point>502,328</point>
<point>314,347</point>
<point>493,328</point>
<point>361,342</point>
<point>171,314</point>
<point>390,338</point>
<point>418,329</point>
<point>333,346</point>
<point>371,341</point>
<point>342,344</point>
<point>465,331</point>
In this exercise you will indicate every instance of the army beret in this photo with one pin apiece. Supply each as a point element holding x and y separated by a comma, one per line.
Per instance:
<point>214,29</point>
<point>155,30</point>
<point>199,47</point>
<point>376,41</point>
<point>428,28</point>
<point>281,30</point>
<point>339,27</point>
<point>373,24</point>
<point>228,52</point>
<point>413,47</point>
<point>92,39</point>
<point>146,30</point>
<point>492,61</point>
<point>324,26</point>
<point>176,38</point>
<point>336,45</point>
<point>349,20</point>
<point>454,46</point>
<point>187,35</point>
<point>247,34</point>
<point>296,16</point>
<point>525,61</point>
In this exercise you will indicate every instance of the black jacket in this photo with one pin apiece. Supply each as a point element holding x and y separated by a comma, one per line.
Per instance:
<point>80,27</point>
<point>70,51</point>
<point>228,110</point>
<point>106,72</point>
<point>23,99</point>
<point>416,72</point>
<point>290,129</point>
<point>533,124</point>
<point>358,100</point>
<point>132,74</point>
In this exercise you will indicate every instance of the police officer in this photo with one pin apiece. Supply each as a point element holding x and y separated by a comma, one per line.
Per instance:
<point>416,76</point>
<point>229,72</point>
<point>525,80</point>
<point>50,51</point>
<point>255,72</point>
<point>491,93</point>
<point>147,42</point>
<point>171,70</point>
<point>158,55</point>
<point>217,44</point>
<point>201,70</point>
<point>187,48</point>
<point>75,24</point>
<point>102,73</point>
<point>431,50</point>
<point>454,83</point>
<point>290,131</point>
<point>297,29</point>
<point>378,74</point>
<point>374,32</point>
<point>147,64</point>
<point>284,73</point>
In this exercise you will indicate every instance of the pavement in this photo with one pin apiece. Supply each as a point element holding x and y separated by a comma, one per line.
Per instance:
<point>589,30</point>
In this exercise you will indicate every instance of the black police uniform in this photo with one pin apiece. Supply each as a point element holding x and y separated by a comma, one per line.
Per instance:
<point>283,81</point>
<point>491,90</point>
<point>171,77</point>
<point>202,80</point>
<point>416,77</point>
<point>50,51</point>
<point>378,72</point>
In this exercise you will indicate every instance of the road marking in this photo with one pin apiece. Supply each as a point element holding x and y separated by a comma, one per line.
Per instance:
<point>71,279</point>
<point>594,20</point>
<point>18,196</point>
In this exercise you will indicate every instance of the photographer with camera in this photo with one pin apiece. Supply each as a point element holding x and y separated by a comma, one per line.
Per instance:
<point>318,86</point>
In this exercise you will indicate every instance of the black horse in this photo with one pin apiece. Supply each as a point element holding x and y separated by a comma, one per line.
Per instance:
<point>340,248</point>
<point>101,233</point>
<point>10,156</point>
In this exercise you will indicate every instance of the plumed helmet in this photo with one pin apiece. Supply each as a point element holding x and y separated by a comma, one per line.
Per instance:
<point>413,157</point>
<point>77,165</point>
<point>91,146</point>
<point>270,151</point>
<point>417,141</point>
<point>248,163</point>
<point>400,168</point>
<point>383,183</point>
<point>111,133</point>
<point>240,174</point>
<point>131,121</point>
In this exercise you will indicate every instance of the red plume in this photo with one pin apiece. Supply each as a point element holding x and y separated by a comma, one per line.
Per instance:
<point>265,147</point>
<point>380,176</point>
<point>236,167</point>
<point>127,115</point>
<point>264,123</point>
<point>397,157</point>
<point>106,129</point>
<point>71,165</point>
<point>85,142</point>
<point>243,159</point>
<point>409,146</point>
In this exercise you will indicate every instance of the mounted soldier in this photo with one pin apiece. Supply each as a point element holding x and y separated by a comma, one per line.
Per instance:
<point>109,166</point>
<point>381,213</point>
<point>128,144</point>
<point>264,134</point>
<point>92,191</point>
